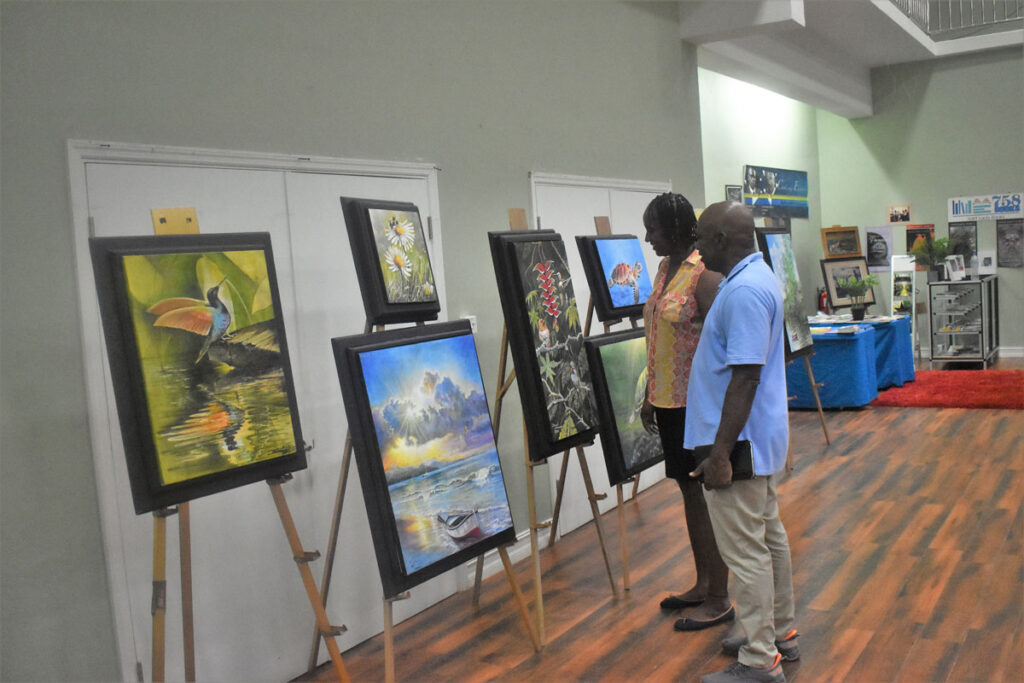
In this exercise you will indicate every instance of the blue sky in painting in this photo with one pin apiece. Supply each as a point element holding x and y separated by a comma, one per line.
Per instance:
<point>615,251</point>
<point>397,371</point>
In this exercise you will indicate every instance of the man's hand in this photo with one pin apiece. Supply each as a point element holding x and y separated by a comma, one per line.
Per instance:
<point>717,470</point>
<point>647,417</point>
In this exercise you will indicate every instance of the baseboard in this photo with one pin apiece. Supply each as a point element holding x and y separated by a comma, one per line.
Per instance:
<point>1012,351</point>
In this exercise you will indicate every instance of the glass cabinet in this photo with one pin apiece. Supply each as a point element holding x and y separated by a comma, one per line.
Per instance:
<point>963,320</point>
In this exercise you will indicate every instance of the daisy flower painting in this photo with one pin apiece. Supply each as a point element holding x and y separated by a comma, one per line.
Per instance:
<point>402,252</point>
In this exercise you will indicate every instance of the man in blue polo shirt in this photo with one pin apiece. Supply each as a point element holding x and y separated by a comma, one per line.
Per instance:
<point>737,392</point>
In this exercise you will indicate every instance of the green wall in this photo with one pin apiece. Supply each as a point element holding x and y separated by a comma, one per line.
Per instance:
<point>488,91</point>
<point>744,124</point>
<point>941,129</point>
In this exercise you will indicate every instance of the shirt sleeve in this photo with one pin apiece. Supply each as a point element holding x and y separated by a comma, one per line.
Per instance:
<point>747,318</point>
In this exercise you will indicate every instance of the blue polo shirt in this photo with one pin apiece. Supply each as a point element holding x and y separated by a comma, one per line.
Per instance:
<point>743,327</point>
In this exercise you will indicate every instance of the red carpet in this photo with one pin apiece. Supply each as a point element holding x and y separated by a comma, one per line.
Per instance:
<point>958,389</point>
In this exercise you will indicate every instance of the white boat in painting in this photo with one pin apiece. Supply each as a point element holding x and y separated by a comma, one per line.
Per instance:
<point>461,525</point>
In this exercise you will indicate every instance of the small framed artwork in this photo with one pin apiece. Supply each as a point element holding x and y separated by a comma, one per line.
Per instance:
<point>955,267</point>
<point>902,292</point>
<point>834,270</point>
<point>545,334</point>
<point>618,277</point>
<point>840,242</point>
<point>1010,243</point>
<point>199,363</point>
<point>899,213</point>
<point>776,244</point>
<point>428,464</point>
<point>390,255</point>
<point>618,363</point>
<point>879,247</point>
<point>986,262</point>
<point>734,193</point>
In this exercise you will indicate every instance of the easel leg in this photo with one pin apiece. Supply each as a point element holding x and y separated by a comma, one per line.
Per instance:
<point>477,581</point>
<point>332,545</point>
<point>531,496</point>
<point>817,399</point>
<point>559,490</point>
<point>389,643</point>
<point>623,539</point>
<point>302,559</point>
<point>158,607</point>
<point>187,621</point>
<point>636,487</point>
<point>593,498</point>
<point>518,594</point>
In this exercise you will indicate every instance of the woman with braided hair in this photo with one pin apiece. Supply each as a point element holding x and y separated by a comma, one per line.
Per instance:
<point>673,316</point>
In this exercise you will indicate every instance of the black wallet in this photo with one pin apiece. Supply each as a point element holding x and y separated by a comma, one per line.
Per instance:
<point>741,459</point>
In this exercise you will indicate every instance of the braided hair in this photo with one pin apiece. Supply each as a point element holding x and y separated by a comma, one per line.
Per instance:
<point>674,213</point>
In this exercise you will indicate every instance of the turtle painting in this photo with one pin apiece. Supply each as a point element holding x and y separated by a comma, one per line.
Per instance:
<point>625,275</point>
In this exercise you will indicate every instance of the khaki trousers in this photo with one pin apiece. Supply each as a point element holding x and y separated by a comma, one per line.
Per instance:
<point>753,543</point>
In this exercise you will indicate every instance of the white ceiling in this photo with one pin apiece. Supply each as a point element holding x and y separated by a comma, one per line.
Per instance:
<point>816,51</point>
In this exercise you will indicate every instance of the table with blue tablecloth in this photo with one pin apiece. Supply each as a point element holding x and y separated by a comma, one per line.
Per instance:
<point>852,367</point>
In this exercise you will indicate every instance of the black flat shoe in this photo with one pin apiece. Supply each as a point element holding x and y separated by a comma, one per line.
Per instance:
<point>679,602</point>
<point>688,624</point>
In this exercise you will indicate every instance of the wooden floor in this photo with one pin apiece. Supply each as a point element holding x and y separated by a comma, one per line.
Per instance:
<point>906,536</point>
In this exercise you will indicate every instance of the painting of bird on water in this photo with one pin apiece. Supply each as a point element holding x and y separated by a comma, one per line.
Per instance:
<point>209,351</point>
<point>558,336</point>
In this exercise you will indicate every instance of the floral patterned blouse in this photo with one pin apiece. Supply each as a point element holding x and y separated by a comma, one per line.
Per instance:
<point>673,330</point>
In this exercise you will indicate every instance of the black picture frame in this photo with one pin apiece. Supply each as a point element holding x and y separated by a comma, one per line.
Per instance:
<point>628,448</point>
<point>349,354</point>
<point>169,410</point>
<point>381,304</point>
<point>840,269</point>
<point>799,341</point>
<point>596,272</point>
<point>545,437</point>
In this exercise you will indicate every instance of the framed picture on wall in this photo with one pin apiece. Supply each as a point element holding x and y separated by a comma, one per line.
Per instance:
<point>834,270</point>
<point>840,242</point>
<point>963,237</point>
<point>898,213</point>
<point>879,247</point>
<point>545,334</point>
<point>775,191</point>
<point>618,363</point>
<point>734,193</point>
<point>428,464</point>
<point>776,244</point>
<point>920,237</point>
<point>1010,243</point>
<point>389,251</point>
<point>617,274</point>
<point>199,363</point>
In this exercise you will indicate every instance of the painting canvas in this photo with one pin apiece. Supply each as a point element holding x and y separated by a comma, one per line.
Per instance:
<point>835,270</point>
<point>199,363</point>
<point>879,247</point>
<point>840,242</point>
<point>619,365</point>
<point>617,274</point>
<point>428,463</point>
<point>775,191</point>
<point>545,334</point>
<point>777,246</point>
<point>389,250</point>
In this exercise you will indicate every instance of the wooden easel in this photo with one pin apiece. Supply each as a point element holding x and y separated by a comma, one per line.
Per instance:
<point>302,560</point>
<point>517,221</point>
<point>332,545</point>
<point>817,399</point>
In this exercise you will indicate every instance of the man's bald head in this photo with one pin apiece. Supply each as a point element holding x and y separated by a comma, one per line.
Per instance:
<point>725,235</point>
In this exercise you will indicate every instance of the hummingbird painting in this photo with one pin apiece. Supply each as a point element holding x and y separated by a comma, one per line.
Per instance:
<point>209,319</point>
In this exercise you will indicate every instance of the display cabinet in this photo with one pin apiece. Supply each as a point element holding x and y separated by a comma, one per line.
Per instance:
<point>963,320</point>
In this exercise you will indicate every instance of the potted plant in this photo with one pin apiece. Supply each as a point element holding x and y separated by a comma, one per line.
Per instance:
<point>857,289</point>
<point>932,255</point>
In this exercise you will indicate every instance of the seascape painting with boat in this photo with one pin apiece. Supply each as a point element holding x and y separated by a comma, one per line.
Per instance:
<point>436,444</point>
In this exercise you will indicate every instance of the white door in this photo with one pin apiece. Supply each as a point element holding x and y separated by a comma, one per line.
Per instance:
<point>568,205</point>
<point>252,617</point>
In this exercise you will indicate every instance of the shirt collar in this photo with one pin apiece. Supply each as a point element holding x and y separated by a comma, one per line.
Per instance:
<point>747,260</point>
